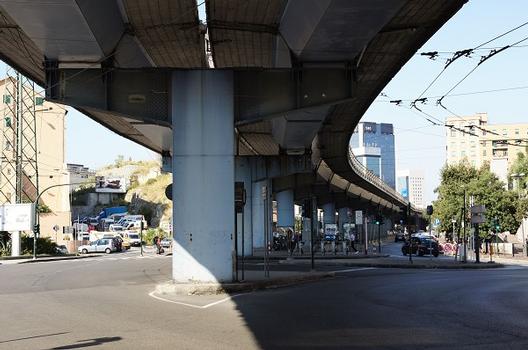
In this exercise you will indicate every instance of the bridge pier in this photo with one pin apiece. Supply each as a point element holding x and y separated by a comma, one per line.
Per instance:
<point>285,209</point>
<point>204,174</point>
<point>243,173</point>
<point>329,210</point>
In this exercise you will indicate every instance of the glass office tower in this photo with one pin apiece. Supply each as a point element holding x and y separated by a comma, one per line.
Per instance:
<point>373,145</point>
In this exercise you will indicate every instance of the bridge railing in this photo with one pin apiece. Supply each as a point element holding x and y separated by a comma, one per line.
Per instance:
<point>369,176</point>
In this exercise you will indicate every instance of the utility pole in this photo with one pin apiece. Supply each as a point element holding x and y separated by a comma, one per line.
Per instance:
<point>519,177</point>
<point>464,259</point>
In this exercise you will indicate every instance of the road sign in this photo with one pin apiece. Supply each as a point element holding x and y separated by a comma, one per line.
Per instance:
<point>436,222</point>
<point>17,217</point>
<point>359,217</point>
<point>477,209</point>
<point>478,218</point>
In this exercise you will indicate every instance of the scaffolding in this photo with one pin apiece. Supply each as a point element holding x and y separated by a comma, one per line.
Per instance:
<point>19,170</point>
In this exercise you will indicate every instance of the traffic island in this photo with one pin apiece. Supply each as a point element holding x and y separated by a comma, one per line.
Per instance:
<point>173,288</point>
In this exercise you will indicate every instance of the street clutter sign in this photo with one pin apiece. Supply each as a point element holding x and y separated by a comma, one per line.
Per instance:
<point>330,232</point>
<point>359,217</point>
<point>17,217</point>
<point>478,214</point>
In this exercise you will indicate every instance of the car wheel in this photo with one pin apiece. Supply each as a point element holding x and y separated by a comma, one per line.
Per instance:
<point>85,251</point>
<point>108,250</point>
<point>420,253</point>
<point>435,254</point>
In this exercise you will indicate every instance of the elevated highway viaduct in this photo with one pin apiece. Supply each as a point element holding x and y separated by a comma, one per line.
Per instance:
<point>265,92</point>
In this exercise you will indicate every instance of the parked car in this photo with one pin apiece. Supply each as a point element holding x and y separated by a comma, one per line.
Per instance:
<point>118,241</point>
<point>134,239</point>
<point>166,242</point>
<point>421,246</point>
<point>61,249</point>
<point>399,236</point>
<point>103,245</point>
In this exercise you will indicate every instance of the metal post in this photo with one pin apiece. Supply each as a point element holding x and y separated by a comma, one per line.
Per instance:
<point>243,250</point>
<point>235,258</point>
<point>464,228</point>
<point>141,237</point>
<point>430,237</point>
<point>313,230</point>
<point>365,243</point>
<point>477,244</point>
<point>379,238</point>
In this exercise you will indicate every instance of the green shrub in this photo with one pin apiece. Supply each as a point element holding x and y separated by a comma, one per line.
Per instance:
<point>44,246</point>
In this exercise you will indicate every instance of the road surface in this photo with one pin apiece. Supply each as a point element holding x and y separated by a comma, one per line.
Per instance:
<point>104,303</point>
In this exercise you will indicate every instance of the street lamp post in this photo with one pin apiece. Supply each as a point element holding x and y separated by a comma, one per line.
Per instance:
<point>519,177</point>
<point>453,221</point>
<point>36,229</point>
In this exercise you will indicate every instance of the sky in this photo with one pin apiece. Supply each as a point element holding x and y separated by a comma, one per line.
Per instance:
<point>419,144</point>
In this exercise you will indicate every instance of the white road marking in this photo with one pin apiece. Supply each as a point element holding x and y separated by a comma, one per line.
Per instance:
<point>153,295</point>
<point>354,269</point>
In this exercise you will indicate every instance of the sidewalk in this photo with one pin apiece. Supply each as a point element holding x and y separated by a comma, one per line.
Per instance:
<point>46,258</point>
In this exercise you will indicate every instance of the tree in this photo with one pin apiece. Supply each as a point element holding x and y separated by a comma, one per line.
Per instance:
<point>485,189</point>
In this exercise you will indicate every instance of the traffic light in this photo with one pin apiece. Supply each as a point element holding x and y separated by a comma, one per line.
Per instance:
<point>306,209</point>
<point>429,210</point>
<point>495,224</point>
<point>379,219</point>
<point>403,215</point>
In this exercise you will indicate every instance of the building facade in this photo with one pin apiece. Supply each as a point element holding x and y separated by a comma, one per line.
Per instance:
<point>49,139</point>
<point>496,144</point>
<point>373,145</point>
<point>411,185</point>
<point>78,174</point>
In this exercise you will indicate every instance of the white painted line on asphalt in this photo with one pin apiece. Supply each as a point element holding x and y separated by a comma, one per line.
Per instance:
<point>152,294</point>
<point>354,269</point>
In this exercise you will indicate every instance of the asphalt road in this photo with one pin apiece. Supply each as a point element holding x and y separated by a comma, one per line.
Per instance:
<point>104,303</point>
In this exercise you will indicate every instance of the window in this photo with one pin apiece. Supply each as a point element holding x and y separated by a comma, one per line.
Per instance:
<point>7,122</point>
<point>484,153</point>
<point>39,101</point>
<point>6,99</point>
<point>453,133</point>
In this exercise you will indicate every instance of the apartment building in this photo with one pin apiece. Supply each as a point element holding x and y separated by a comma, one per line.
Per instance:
<point>496,144</point>
<point>50,143</point>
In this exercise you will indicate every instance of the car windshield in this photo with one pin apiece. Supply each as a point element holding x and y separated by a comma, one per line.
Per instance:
<point>133,236</point>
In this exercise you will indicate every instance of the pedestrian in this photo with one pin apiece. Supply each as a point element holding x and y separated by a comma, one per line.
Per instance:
<point>292,239</point>
<point>353,242</point>
<point>158,245</point>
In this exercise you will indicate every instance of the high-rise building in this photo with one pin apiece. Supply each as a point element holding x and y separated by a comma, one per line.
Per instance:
<point>373,145</point>
<point>410,184</point>
<point>496,144</point>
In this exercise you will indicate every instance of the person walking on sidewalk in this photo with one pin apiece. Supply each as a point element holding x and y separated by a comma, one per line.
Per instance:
<point>353,241</point>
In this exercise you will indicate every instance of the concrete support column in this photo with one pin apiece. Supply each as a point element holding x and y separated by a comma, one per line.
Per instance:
<point>15,243</point>
<point>203,175</point>
<point>329,216</point>
<point>343,218</point>
<point>243,174</point>
<point>285,209</point>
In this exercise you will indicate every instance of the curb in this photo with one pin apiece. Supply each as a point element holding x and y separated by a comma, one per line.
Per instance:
<point>228,288</point>
<point>57,259</point>
<point>470,266</point>
<point>317,257</point>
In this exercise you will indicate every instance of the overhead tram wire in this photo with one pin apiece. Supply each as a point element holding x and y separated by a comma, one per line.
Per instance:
<point>482,60</point>
<point>462,53</point>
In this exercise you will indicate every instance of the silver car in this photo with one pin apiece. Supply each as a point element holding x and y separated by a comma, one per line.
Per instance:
<point>104,245</point>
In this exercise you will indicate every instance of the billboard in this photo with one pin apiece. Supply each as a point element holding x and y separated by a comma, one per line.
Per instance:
<point>17,217</point>
<point>105,184</point>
